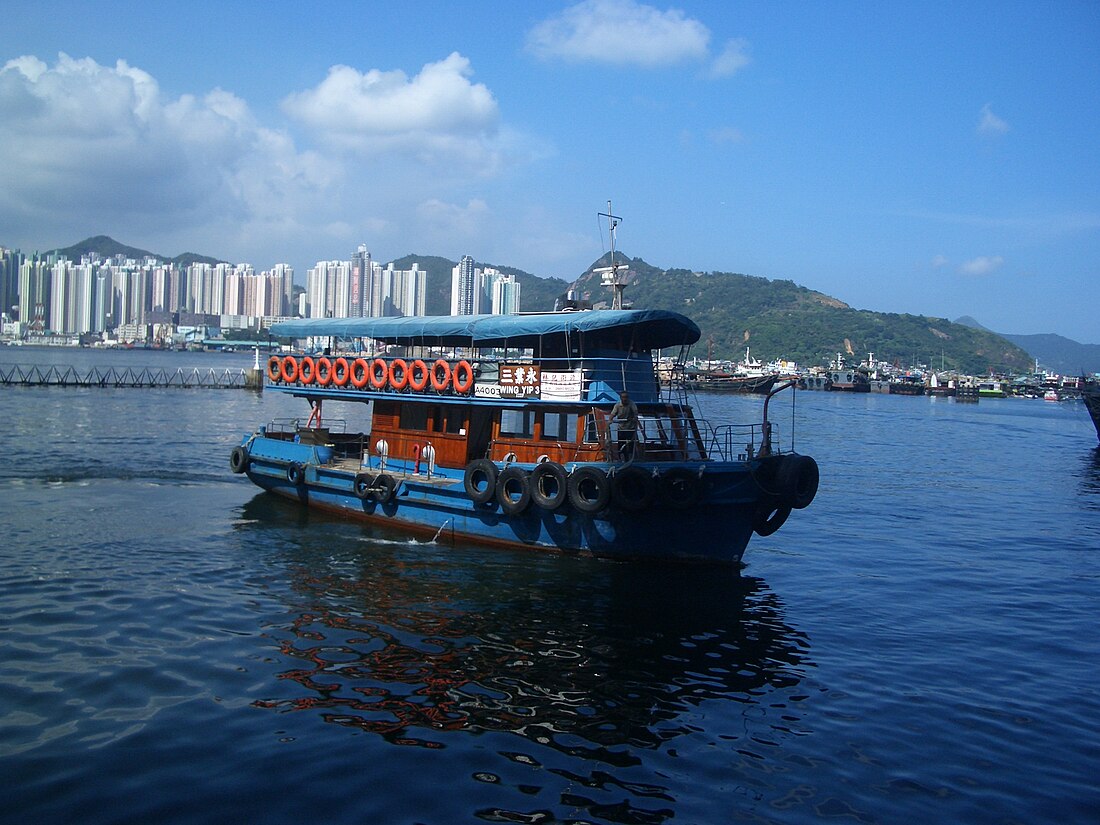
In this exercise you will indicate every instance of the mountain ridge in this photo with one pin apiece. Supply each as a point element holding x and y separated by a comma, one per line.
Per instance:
<point>107,247</point>
<point>1054,352</point>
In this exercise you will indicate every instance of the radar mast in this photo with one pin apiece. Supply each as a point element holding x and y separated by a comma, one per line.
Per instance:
<point>609,275</point>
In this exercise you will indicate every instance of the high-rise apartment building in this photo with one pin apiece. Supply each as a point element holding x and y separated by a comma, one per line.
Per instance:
<point>362,288</point>
<point>34,292</point>
<point>465,299</point>
<point>474,291</point>
<point>10,261</point>
<point>361,272</point>
<point>506,291</point>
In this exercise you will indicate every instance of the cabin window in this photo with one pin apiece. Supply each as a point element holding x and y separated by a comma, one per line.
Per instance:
<point>414,417</point>
<point>559,426</point>
<point>519,423</point>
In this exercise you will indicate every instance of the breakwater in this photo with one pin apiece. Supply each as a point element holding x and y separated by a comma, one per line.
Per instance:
<point>238,378</point>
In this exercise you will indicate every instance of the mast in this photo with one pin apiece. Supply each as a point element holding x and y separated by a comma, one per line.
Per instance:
<point>610,274</point>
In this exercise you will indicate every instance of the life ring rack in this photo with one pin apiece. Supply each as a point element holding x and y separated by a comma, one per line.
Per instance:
<point>379,374</point>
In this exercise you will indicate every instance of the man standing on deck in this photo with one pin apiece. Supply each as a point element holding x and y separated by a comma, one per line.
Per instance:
<point>625,413</point>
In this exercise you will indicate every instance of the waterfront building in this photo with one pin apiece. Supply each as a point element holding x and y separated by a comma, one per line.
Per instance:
<point>362,270</point>
<point>474,291</point>
<point>10,261</point>
<point>506,290</point>
<point>34,293</point>
<point>328,285</point>
<point>284,275</point>
<point>464,291</point>
<point>363,288</point>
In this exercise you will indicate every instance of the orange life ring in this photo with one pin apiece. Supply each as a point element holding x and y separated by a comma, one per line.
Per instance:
<point>441,375</point>
<point>307,370</point>
<point>465,383</point>
<point>379,373</point>
<point>341,372</point>
<point>399,373</point>
<point>418,375</point>
<point>273,368</point>
<point>359,373</point>
<point>324,371</point>
<point>288,370</point>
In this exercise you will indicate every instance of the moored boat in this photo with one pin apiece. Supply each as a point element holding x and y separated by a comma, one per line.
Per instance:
<point>719,381</point>
<point>842,378</point>
<point>497,429</point>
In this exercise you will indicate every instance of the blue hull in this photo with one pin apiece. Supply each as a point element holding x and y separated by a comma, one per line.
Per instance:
<point>716,528</point>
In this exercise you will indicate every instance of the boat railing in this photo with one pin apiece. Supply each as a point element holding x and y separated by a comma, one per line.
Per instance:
<point>297,427</point>
<point>668,438</point>
<point>727,442</point>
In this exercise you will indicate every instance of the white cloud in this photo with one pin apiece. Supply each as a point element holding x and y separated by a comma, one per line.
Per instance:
<point>982,265</point>
<point>90,148</point>
<point>356,108</point>
<point>939,261</point>
<point>453,221</point>
<point>620,32</point>
<point>733,58</point>
<point>989,124</point>
<point>437,118</point>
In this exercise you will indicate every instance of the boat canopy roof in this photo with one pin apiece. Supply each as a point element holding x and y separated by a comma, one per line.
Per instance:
<point>631,329</point>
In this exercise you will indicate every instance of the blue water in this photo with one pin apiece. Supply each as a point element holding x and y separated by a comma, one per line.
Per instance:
<point>919,645</point>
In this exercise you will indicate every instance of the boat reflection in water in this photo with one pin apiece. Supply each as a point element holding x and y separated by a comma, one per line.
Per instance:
<point>597,661</point>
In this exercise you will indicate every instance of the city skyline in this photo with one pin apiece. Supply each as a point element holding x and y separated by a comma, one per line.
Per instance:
<point>49,293</point>
<point>935,159</point>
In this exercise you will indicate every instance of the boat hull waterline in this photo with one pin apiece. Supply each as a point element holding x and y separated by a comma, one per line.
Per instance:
<point>439,508</point>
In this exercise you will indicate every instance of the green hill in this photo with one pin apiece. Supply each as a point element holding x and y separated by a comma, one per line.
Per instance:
<point>107,247</point>
<point>782,319</point>
<point>1055,353</point>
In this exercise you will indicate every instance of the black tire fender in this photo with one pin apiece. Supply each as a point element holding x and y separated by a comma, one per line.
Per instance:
<point>633,488</point>
<point>383,488</point>
<point>513,490</point>
<point>296,474</point>
<point>238,460</point>
<point>480,480</point>
<point>769,516</point>
<point>589,490</point>
<point>681,488</point>
<point>797,480</point>
<point>364,482</point>
<point>549,485</point>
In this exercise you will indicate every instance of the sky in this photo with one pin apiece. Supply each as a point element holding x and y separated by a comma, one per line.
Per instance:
<point>935,158</point>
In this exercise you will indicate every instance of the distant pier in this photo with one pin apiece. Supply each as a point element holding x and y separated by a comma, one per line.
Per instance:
<point>131,377</point>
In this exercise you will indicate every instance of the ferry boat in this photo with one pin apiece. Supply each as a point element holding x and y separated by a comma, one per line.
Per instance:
<point>497,430</point>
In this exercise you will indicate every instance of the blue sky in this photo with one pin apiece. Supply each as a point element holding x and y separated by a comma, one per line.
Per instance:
<point>931,158</point>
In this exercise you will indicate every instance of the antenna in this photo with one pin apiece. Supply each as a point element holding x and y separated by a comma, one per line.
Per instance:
<point>609,275</point>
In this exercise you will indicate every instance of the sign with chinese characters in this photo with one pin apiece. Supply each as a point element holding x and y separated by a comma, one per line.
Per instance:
<point>520,381</point>
<point>562,386</point>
